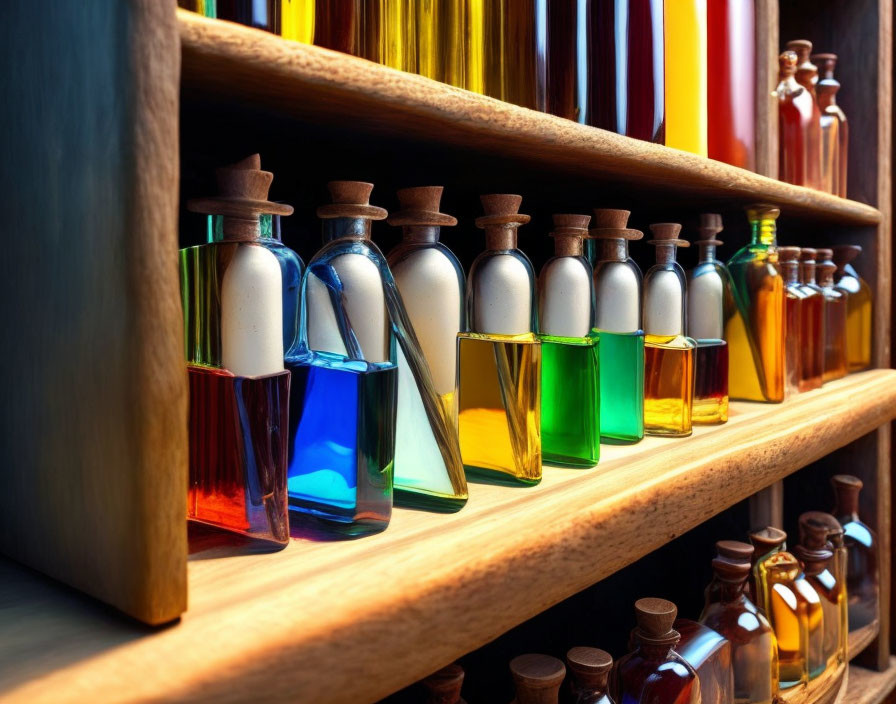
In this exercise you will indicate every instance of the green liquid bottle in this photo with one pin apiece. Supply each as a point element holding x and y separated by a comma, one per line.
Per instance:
<point>570,385</point>
<point>617,322</point>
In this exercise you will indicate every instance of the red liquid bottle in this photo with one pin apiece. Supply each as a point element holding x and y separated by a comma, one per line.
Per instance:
<point>794,336</point>
<point>731,61</point>
<point>799,148</point>
<point>339,25</point>
<point>812,324</point>
<point>628,68</point>
<point>807,77</point>
<point>568,59</point>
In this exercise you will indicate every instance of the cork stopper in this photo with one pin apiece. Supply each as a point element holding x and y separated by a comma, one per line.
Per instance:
<point>501,209</point>
<point>735,550</point>
<point>824,255</point>
<point>846,491</point>
<point>443,687</point>
<point>767,539</point>
<point>814,560</point>
<point>420,206</point>
<point>568,233</point>
<point>789,254</point>
<point>733,562</point>
<point>610,224</point>
<point>806,71</point>
<point>816,528</point>
<point>537,678</point>
<point>787,65</point>
<point>351,199</point>
<point>843,254</point>
<point>762,211</point>
<point>655,618</point>
<point>242,192</point>
<point>667,233</point>
<point>808,254</point>
<point>710,226</point>
<point>590,667</point>
<point>826,64</point>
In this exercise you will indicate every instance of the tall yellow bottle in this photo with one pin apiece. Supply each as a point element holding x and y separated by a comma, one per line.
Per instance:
<point>297,20</point>
<point>686,82</point>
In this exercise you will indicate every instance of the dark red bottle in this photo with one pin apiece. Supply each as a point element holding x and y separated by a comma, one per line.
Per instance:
<point>340,26</point>
<point>568,59</point>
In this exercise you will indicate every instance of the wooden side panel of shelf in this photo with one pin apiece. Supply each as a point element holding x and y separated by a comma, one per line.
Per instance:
<point>94,389</point>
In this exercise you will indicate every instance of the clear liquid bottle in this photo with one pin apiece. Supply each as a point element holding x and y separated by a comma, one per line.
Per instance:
<point>862,550</point>
<point>710,303</point>
<point>807,77</point>
<point>429,472</point>
<point>232,294</point>
<point>755,333</point>
<point>537,678</point>
<point>799,127</point>
<point>686,75</point>
<point>829,107</point>
<point>668,353</point>
<point>710,654</point>
<point>794,302</point>
<point>515,59</point>
<point>654,672</point>
<point>444,686</point>
<point>589,669</point>
<point>732,614</point>
<point>836,302</point>
<point>570,383</point>
<point>813,325</point>
<point>831,169</point>
<point>500,357</point>
<point>858,307</point>
<point>345,373</point>
<point>617,321</point>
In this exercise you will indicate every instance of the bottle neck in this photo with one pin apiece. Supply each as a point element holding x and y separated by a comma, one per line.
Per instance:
<point>791,272</point>
<point>848,502</point>
<point>707,253</point>
<point>421,234</point>
<point>730,592</point>
<point>826,280</point>
<point>763,231</point>
<point>613,250</point>
<point>236,229</point>
<point>656,651</point>
<point>665,254</point>
<point>498,237</point>
<point>807,272</point>
<point>346,228</point>
<point>568,246</point>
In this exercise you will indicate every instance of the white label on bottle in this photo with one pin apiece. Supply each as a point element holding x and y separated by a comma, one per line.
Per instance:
<point>663,304</point>
<point>503,297</point>
<point>565,298</point>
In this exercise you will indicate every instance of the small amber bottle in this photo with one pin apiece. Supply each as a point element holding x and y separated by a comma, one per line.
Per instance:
<point>668,353</point>
<point>839,564</point>
<point>590,668</point>
<point>443,687</point>
<point>812,373</point>
<point>794,336</point>
<point>537,678</point>
<point>829,107</point>
<point>835,312</point>
<point>710,654</point>
<point>858,307</point>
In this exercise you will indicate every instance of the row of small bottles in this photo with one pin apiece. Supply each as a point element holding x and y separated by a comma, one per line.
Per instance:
<point>813,131</point>
<point>331,389</point>
<point>772,620</point>
<point>641,68</point>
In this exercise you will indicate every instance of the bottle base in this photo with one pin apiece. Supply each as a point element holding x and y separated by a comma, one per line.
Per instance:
<point>336,522</point>
<point>495,476</point>
<point>428,502</point>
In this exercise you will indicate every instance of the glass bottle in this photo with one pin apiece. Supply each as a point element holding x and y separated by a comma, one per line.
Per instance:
<point>710,654</point>
<point>710,303</point>
<point>341,26</point>
<point>794,335</point>
<point>500,356</point>
<point>515,61</point>
<point>261,14</point>
<point>589,669</point>
<point>570,383</point>
<point>828,105</point>
<point>390,33</point>
<point>831,142</point>
<point>815,521</point>
<point>297,20</point>
<point>345,373</point>
<point>232,295</point>
<point>813,329</point>
<point>444,686</point>
<point>537,678</point>
<point>206,8</point>
<point>816,554</point>
<point>807,77</point>
<point>617,320</point>
<point>654,672</point>
<point>731,55</point>
<point>568,58</point>
<point>793,608</point>
<point>862,591</point>
<point>836,364</point>
<point>858,307</point>
<point>668,353</point>
<point>799,126</point>
<point>755,333</point>
<point>429,472</point>
<point>730,613</point>
<point>685,57</point>
<point>627,87</point>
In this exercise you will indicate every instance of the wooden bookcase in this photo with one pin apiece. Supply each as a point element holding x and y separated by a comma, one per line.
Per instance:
<point>352,621</point>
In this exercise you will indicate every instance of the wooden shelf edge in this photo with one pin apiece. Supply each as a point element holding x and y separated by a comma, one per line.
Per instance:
<point>862,638</point>
<point>870,686</point>
<point>309,82</point>
<point>343,621</point>
<point>827,688</point>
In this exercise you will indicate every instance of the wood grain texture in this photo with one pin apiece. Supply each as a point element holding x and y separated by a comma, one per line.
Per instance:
<point>352,621</point>
<point>311,83</point>
<point>94,403</point>
<point>766,82</point>
<point>871,687</point>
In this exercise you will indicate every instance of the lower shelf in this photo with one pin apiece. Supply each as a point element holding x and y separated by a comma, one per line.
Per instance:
<point>353,620</point>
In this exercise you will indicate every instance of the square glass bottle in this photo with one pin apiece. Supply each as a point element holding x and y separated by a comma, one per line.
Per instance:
<point>812,324</point>
<point>858,307</point>
<point>710,302</point>
<point>345,374</point>
<point>429,472</point>
<point>500,357</point>
<point>836,301</point>
<point>668,353</point>
<point>570,383</point>
<point>232,294</point>
<point>617,322</point>
<point>795,338</point>
<point>755,333</point>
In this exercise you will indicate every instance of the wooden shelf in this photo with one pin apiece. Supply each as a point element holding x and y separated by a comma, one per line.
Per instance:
<point>252,67</point>
<point>352,621</point>
<point>827,688</point>
<point>862,638</point>
<point>870,686</point>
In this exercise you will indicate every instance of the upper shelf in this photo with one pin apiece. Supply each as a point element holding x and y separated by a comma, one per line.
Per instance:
<point>343,621</point>
<point>312,83</point>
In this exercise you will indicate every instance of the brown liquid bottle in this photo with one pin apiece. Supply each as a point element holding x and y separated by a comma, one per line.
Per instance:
<point>537,679</point>
<point>858,307</point>
<point>807,77</point>
<point>794,336</point>
<point>443,687</point>
<point>590,668</point>
<point>827,88</point>
<point>836,364</point>
<point>799,141</point>
<point>812,374</point>
<point>568,59</point>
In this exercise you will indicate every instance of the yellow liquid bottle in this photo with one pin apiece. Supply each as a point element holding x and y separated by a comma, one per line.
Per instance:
<point>686,75</point>
<point>858,307</point>
<point>297,20</point>
<point>390,33</point>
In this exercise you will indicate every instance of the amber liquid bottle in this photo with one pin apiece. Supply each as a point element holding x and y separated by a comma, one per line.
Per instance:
<point>685,57</point>
<point>515,52</point>
<point>733,615</point>
<point>807,77</point>
<point>858,307</point>
<point>835,316</point>
<point>297,20</point>
<point>794,336</point>
<point>815,521</point>
<point>831,143</point>
<point>799,126</point>
<point>829,107</point>
<point>731,60</point>
<point>812,373</point>
<point>755,333</point>
<point>627,87</point>
<point>568,58</point>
